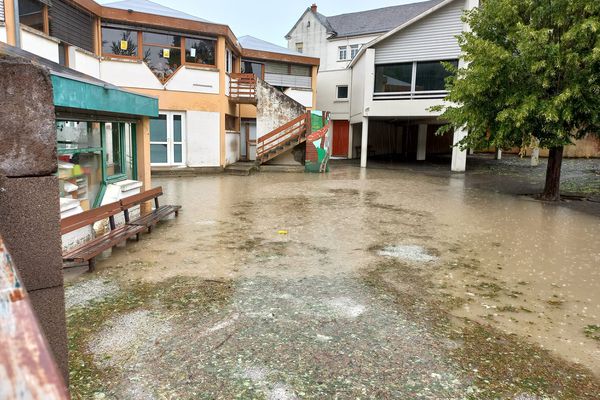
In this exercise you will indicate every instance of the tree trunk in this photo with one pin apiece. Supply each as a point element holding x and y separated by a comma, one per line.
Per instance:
<point>552,188</point>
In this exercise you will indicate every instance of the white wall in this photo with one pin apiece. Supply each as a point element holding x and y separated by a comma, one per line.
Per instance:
<point>39,44</point>
<point>314,38</point>
<point>304,97</point>
<point>83,61</point>
<point>431,38</point>
<point>203,139</point>
<point>194,80</point>
<point>232,147</point>
<point>357,100</point>
<point>132,74</point>
<point>332,59</point>
<point>3,34</point>
<point>327,92</point>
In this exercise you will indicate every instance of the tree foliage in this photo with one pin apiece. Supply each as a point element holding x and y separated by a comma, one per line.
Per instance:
<point>532,70</point>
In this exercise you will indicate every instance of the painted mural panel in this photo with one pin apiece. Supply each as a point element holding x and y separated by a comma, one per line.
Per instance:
<point>319,142</point>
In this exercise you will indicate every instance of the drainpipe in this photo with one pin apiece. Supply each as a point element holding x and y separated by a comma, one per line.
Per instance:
<point>17,23</point>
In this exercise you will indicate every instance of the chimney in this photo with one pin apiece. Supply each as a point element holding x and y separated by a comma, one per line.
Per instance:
<point>313,8</point>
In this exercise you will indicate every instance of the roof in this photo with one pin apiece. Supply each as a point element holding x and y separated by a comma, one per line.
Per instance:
<point>252,43</point>
<point>150,7</point>
<point>372,21</point>
<point>76,90</point>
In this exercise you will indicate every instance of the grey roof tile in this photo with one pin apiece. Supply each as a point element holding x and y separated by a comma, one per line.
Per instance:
<point>150,7</point>
<point>252,43</point>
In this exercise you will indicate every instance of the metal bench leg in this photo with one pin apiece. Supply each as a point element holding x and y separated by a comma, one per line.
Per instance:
<point>137,237</point>
<point>176,214</point>
<point>150,229</point>
<point>92,265</point>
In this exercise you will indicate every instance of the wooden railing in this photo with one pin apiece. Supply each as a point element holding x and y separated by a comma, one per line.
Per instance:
<point>283,138</point>
<point>242,88</point>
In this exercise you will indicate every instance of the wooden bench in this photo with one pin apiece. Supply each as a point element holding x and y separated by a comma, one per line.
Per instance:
<point>148,220</point>
<point>90,250</point>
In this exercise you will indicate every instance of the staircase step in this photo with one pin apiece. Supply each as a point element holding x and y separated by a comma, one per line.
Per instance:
<point>241,168</point>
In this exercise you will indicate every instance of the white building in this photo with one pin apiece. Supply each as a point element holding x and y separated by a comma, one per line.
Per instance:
<point>380,74</point>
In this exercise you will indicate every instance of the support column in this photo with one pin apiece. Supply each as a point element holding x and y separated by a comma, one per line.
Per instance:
<point>364,152</point>
<point>498,155</point>
<point>459,157</point>
<point>422,143</point>
<point>350,140</point>
<point>144,170</point>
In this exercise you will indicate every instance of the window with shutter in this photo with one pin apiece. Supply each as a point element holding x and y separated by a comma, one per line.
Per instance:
<point>71,25</point>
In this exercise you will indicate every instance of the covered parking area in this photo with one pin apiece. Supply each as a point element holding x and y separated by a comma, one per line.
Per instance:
<point>401,139</point>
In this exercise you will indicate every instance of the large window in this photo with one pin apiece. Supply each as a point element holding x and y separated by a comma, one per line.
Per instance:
<point>161,52</point>
<point>253,67</point>
<point>432,75</point>
<point>413,77</point>
<point>393,78</point>
<point>120,42</point>
<point>34,13</point>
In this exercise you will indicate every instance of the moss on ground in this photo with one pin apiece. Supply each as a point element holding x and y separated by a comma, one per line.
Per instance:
<point>498,364</point>
<point>175,296</point>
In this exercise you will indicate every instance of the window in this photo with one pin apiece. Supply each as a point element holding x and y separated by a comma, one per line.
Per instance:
<point>200,51</point>
<point>393,78</point>
<point>432,75</point>
<point>354,50</point>
<point>33,14</point>
<point>115,154</point>
<point>228,61</point>
<point>343,53</point>
<point>299,47</point>
<point>252,67</point>
<point>166,139</point>
<point>342,92</point>
<point>162,53</point>
<point>119,42</point>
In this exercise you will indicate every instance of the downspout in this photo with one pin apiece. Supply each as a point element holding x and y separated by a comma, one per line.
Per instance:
<point>17,23</point>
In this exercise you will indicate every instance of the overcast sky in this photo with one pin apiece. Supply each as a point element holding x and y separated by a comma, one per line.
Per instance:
<point>269,20</point>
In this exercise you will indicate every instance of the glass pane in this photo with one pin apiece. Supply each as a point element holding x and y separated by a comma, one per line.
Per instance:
<point>249,67</point>
<point>78,135</point>
<point>117,151</point>
<point>158,129</point>
<point>129,151</point>
<point>80,177</point>
<point>120,42</point>
<point>200,51</point>
<point>31,13</point>
<point>161,40</point>
<point>177,128</point>
<point>158,153</point>
<point>162,61</point>
<point>432,75</point>
<point>393,78</point>
<point>342,92</point>
<point>178,149</point>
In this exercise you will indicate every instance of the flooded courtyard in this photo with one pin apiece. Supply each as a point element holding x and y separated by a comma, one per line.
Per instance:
<point>359,283</point>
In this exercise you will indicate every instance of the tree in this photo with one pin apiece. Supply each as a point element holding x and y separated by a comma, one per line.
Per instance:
<point>532,70</point>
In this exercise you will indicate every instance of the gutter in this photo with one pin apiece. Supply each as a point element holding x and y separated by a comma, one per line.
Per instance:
<point>17,23</point>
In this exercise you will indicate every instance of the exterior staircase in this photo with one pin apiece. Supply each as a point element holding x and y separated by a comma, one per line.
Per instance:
<point>282,139</point>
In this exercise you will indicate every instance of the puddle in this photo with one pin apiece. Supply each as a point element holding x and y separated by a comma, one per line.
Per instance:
<point>300,309</point>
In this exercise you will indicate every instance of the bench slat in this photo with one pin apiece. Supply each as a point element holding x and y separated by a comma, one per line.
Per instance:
<point>89,217</point>
<point>140,198</point>
<point>102,243</point>
<point>155,216</point>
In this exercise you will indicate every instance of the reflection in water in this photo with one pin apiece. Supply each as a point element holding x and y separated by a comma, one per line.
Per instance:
<point>526,267</point>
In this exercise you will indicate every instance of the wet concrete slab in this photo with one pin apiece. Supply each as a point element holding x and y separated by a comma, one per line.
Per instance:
<point>356,284</point>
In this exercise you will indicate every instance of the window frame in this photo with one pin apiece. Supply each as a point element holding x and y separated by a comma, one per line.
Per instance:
<point>184,49</point>
<point>352,48</point>
<point>343,49</point>
<point>300,47</point>
<point>45,19</point>
<point>337,93</point>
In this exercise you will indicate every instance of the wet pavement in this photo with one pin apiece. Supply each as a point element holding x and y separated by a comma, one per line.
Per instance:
<point>379,283</point>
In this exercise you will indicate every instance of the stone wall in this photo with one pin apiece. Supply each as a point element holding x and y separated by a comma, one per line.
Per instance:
<point>274,108</point>
<point>29,194</point>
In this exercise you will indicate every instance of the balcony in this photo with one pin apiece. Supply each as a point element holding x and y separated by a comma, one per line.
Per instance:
<point>242,88</point>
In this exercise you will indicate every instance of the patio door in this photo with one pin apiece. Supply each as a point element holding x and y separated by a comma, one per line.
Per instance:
<point>167,144</point>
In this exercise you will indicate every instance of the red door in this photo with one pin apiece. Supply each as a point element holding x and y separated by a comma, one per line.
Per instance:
<point>340,138</point>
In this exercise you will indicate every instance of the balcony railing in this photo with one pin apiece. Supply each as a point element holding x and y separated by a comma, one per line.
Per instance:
<point>242,88</point>
<point>426,94</point>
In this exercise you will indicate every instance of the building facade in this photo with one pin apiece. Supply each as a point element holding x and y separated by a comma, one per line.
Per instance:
<point>184,61</point>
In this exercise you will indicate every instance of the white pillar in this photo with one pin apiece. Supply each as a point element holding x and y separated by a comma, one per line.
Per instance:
<point>422,143</point>
<point>498,155</point>
<point>350,140</point>
<point>535,153</point>
<point>364,152</point>
<point>459,157</point>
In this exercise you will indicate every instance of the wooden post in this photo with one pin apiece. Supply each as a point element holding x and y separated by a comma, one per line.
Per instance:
<point>143,157</point>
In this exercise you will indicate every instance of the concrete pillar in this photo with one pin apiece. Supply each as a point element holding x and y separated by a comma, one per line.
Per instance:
<point>364,152</point>
<point>29,195</point>
<point>142,139</point>
<point>350,139</point>
<point>535,153</point>
<point>498,155</point>
<point>459,157</point>
<point>422,143</point>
